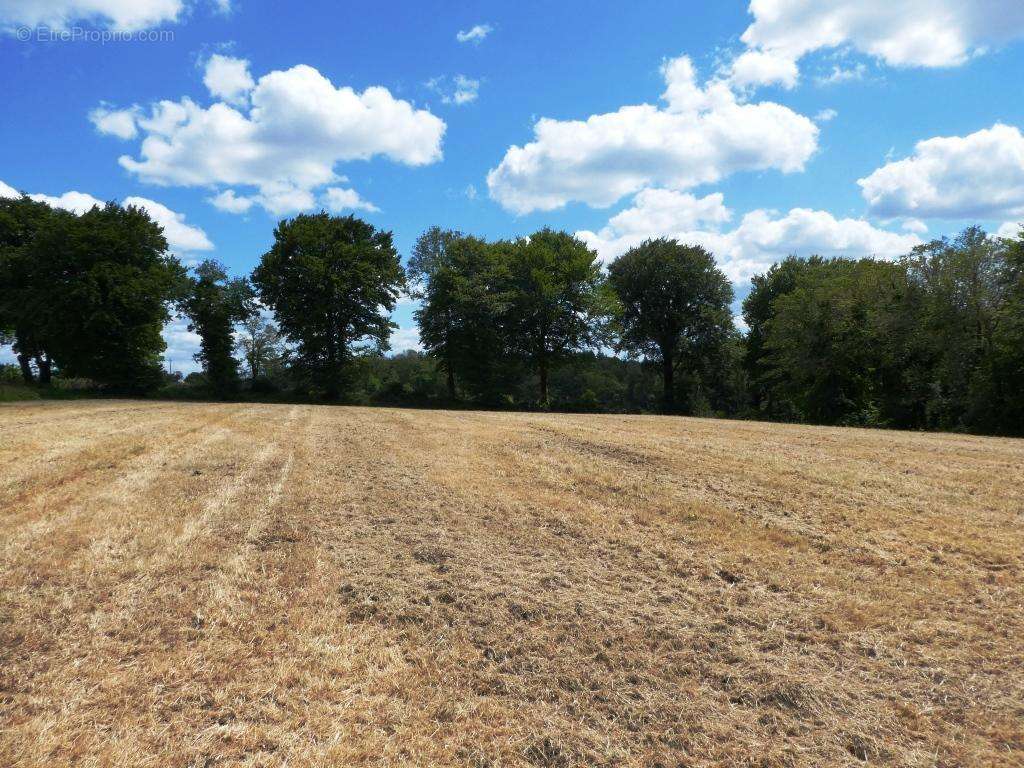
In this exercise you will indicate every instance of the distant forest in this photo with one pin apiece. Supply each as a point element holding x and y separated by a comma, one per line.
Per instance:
<point>934,340</point>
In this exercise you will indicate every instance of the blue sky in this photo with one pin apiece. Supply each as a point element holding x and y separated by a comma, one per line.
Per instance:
<point>853,127</point>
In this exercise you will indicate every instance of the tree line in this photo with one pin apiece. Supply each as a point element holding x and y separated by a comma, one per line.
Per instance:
<point>934,340</point>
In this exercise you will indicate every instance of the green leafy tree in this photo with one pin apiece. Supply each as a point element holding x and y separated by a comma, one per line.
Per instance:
<point>260,345</point>
<point>837,344</point>
<point>409,378</point>
<point>100,286</point>
<point>461,316</point>
<point>962,282</point>
<point>214,305</point>
<point>430,275</point>
<point>25,300</point>
<point>674,308</point>
<point>1004,393</point>
<point>332,283</point>
<point>429,255</point>
<point>557,301</point>
<point>780,279</point>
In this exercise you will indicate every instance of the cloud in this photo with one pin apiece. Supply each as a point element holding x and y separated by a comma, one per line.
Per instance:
<point>902,33</point>
<point>660,211</point>
<point>115,122</point>
<point>337,199</point>
<point>980,175</point>
<point>1011,229</point>
<point>119,15</point>
<point>229,202</point>
<point>465,90</point>
<point>754,68</point>
<point>182,346</point>
<point>842,75</point>
<point>405,339</point>
<point>76,202</point>
<point>181,237</point>
<point>462,90</point>
<point>228,78</point>
<point>760,239</point>
<point>475,34</point>
<point>406,303</point>
<point>826,116</point>
<point>286,142</point>
<point>280,198</point>
<point>700,136</point>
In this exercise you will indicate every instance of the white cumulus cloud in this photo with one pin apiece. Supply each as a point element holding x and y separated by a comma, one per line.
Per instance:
<point>228,78</point>
<point>76,202</point>
<point>904,33</point>
<point>119,15</point>
<point>406,339</point>
<point>277,198</point>
<point>181,237</point>
<point>6,190</point>
<point>753,68</point>
<point>337,199</point>
<point>229,202</point>
<point>655,212</point>
<point>761,237</point>
<point>1011,229</point>
<point>700,135</point>
<point>980,175</point>
<point>115,122</point>
<point>285,142</point>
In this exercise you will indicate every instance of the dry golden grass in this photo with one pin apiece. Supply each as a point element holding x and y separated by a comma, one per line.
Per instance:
<point>207,585</point>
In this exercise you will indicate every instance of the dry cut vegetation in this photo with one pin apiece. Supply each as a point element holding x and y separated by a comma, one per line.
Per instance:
<point>208,585</point>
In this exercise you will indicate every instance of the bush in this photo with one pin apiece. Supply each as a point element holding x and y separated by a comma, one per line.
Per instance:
<point>11,393</point>
<point>264,385</point>
<point>10,374</point>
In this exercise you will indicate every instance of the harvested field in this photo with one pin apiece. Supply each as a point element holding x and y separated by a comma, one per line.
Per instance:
<point>208,585</point>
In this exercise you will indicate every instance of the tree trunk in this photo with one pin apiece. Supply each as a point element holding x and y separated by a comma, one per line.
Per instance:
<point>543,382</point>
<point>668,373</point>
<point>451,380</point>
<point>449,368</point>
<point>45,369</point>
<point>26,369</point>
<point>332,387</point>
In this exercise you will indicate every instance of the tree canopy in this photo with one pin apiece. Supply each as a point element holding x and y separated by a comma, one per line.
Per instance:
<point>461,315</point>
<point>215,304</point>
<point>934,340</point>
<point>91,293</point>
<point>557,304</point>
<point>674,307</point>
<point>24,301</point>
<point>331,282</point>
